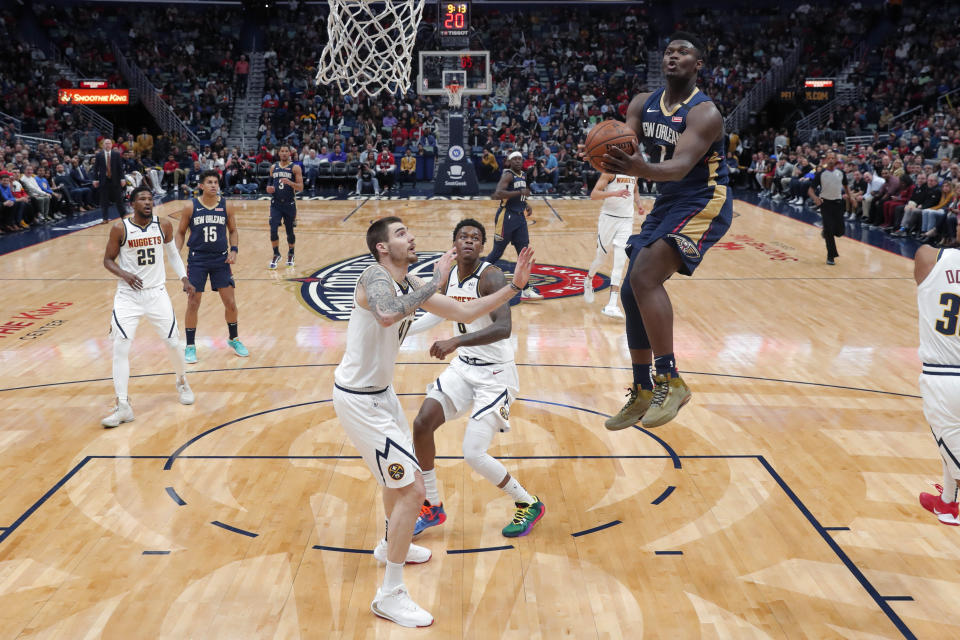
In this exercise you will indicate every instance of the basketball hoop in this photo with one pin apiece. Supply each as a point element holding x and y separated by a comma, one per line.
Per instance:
<point>369,45</point>
<point>453,95</point>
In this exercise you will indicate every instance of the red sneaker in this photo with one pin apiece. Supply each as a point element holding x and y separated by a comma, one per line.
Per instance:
<point>947,512</point>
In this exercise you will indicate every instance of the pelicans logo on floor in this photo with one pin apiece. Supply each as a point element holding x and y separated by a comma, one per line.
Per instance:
<point>329,291</point>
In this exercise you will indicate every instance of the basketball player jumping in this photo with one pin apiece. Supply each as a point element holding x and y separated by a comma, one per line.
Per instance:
<point>134,255</point>
<point>210,220</point>
<point>682,130</point>
<point>483,380</point>
<point>620,199</point>
<point>937,273</point>
<point>367,406</point>
<point>286,180</point>
<point>511,218</point>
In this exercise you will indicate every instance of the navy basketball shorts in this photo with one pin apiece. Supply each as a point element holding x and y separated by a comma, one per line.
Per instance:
<point>691,222</point>
<point>199,267</point>
<point>282,214</point>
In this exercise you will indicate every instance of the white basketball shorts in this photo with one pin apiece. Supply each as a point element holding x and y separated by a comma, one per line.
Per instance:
<point>479,389</point>
<point>941,407</point>
<point>613,233</point>
<point>377,427</point>
<point>130,305</point>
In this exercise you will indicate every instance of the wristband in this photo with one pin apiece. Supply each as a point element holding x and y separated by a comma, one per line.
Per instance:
<point>515,287</point>
<point>235,249</point>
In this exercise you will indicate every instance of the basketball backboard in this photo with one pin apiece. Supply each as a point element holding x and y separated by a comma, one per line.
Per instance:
<point>469,69</point>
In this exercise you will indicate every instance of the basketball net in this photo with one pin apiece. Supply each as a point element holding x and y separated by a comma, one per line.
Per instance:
<point>370,45</point>
<point>453,95</point>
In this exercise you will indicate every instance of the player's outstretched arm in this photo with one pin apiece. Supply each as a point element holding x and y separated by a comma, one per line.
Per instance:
<point>469,311</point>
<point>378,295</point>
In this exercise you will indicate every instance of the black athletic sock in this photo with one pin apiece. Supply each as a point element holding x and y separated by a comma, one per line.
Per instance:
<point>191,336</point>
<point>232,328</point>
<point>276,252</point>
<point>641,376</point>
<point>666,364</point>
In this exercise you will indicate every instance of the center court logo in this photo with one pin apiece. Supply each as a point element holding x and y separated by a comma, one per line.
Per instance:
<point>329,291</point>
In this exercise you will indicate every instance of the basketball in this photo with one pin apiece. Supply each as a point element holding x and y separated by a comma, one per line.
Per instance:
<point>605,136</point>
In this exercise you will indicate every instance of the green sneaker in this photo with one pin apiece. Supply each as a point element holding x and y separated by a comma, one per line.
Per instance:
<point>238,347</point>
<point>669,394</point>
<point>190,354</point>
<point>630,414</point>
<point>524,518</point>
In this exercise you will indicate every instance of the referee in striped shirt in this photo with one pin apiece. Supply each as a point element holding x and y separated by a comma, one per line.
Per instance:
<point>832,182</point>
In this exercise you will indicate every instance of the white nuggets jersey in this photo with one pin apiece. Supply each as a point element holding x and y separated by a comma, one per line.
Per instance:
<point>141,253</point>
<point>938,302</point>
<point>620,207</point>
<point>499,351</point>
<point>372,349</point>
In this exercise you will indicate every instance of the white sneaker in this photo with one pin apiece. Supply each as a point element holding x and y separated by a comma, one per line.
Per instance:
<point>185,392</point>
<point>122,412</point>
<point>588,289</point>
<point>397,606</point>
<point>415,554</point>
<point>613,311</point>
<point>531,294</point>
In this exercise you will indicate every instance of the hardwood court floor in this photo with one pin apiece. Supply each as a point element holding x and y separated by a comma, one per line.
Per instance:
<point>780,504</point>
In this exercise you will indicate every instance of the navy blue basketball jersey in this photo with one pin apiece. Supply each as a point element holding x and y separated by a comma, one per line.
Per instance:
<point>208,227</point>
<point>283,193</point>
<point>662,128</point>
<point>515,205</point>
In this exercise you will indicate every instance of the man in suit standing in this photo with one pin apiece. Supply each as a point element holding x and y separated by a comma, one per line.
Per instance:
<point>107,178</point>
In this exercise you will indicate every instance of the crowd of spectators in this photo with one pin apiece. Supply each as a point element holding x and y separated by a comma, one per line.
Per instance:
<point>907,185</point>
<point>556,72</point>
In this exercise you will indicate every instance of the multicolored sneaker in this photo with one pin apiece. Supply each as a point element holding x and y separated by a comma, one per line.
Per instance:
<point>430,516</point>
<point>291,262</point>
<point>669,394</point>
<point>190,354</point>
<point>630,414</point>
<point>274,261</point>
<point>524,518</point>
<point>946,512</point>
<point>238,347</point>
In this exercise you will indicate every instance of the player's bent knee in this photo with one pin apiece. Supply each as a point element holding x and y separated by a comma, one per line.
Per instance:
<point>291,236</point>
<point>274,233</point>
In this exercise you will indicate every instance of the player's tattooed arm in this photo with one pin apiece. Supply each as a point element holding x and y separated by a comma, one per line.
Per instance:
<point>383,301</point>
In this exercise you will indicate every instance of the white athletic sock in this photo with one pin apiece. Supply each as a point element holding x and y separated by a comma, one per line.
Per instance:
<point>121,367</point>
<point>614,296</point>
<point>393,576</point>
<point>517,492</point>
<point>949,484</point>
<point>430,483</point>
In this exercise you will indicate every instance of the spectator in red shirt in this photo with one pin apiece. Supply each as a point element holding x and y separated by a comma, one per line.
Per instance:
<point>386,168</point>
